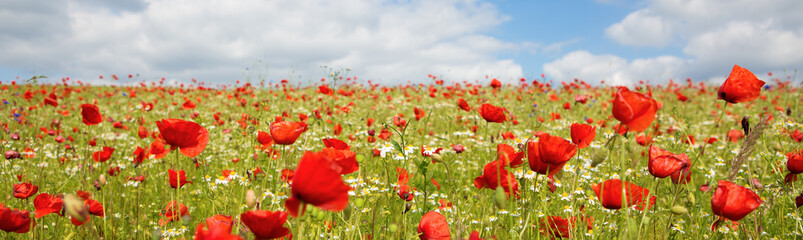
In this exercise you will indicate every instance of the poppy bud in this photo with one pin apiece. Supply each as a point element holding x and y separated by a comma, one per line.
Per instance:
<point>359,202</point>
<point>11,154</point>
<point>788,111</point>
<point>746,125</point>
<point>156,234</point>
<point>500,199</point>
<point>320,215</point>
<point>15,136</point>
<point>407,207</point>
<point>102,179</point>
<point>691,198</point>
<point>679,210</point>
<point>97,185</point>
<point>599,156</point>
<point>250,198</point>
<point>756,184</point>
<point>75,207</point>
<point>360,158</point>
<point>777,147</point>
<point>437,157</point>
<point>393,227</point>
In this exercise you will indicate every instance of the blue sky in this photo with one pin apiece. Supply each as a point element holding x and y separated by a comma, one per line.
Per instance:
<point>399,41</point>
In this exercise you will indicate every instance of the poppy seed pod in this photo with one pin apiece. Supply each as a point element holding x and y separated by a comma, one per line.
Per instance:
<point>250,198</point>
<point>75,207</point>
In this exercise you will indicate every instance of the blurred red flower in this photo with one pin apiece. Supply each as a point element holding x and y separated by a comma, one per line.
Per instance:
<point>103,155</point>
<point>177,179</point>
<point>25,190</point>
<point>433,226</point>
<point>609,194</point>
<point>493,113</point>
<point>18,221</point>
<point>46,204</point>
<point>91,114</point>
<point>341,153</point>
<point>266,224</point>
<point>463,104</point>
<point>508,155</point>
<point>317,182</point>
<point>491,175</point>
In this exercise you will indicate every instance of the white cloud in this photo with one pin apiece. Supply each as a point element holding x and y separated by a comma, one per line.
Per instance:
<point>714,35</point>
<point>614,70</point>
<point>214,41</point>
<point>641,28</point>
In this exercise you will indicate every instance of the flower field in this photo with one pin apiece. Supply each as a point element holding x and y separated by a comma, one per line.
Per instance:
<point>346,159</point>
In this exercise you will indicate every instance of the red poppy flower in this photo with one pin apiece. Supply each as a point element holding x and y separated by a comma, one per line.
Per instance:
<point>142,132</point>
<point>493,113</point>
<point>158,149</point>
<point>18,221</point>
<point>583,134</point>
<point>796,135</point>
<point>433,226</point>
<point>173,212</point>
<point>220,221</point>
<point>287,175</point>
<point>549,154</point>
<point>266,224</point>
<point>403,188</point>
<point>216,232</point>
<point>286,133</point>
<point>46,204</point>
<point>94,207</point>
<point>734,135</point>
<point>341,153</point>
<point>52,100</point>
<point>317,182</point>
<point>264,139</point>
<point>191,138</point>
<point>491,176</point>
<point>732,201</point>
<point>419,114</point>
<point>643,140</point>
<point>740,86</point>
<point>139,156</point>
<point>91,114</point>
<point>663,163</point>
<point>103,155</point>
<point>610,194</point>
<point>177,179</point>
<point>794,163</point>
<point>634,109</point>
<point>555,226</point>
<point>188,105</point>
<point>508,155</point>
<point>496,83</point>
<point>463,104</point>
<point>25,190</point>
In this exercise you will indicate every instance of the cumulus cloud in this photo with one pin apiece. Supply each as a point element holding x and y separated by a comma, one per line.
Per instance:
<point>214,41</point>
<point>614,70</point>
<point>763,36</point>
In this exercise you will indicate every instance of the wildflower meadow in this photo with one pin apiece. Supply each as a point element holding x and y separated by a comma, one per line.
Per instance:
<point>344,158</point>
